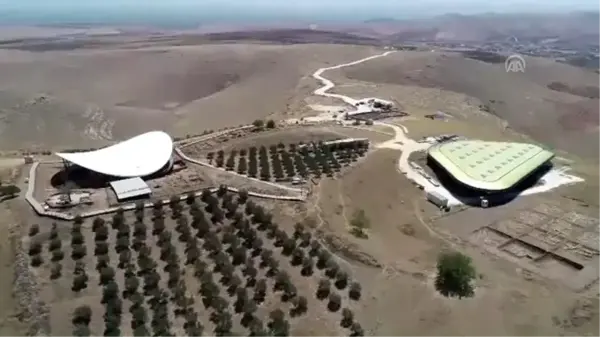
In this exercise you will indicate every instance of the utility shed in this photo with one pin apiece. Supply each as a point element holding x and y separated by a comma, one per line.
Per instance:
<point>130,188</point>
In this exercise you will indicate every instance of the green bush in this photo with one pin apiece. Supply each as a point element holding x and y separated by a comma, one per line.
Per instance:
<point>259,123</point>
<point>455,275</point>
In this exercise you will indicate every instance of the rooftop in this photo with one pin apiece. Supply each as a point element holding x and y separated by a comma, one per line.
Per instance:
<point>489,165</point>
<point>129,188</point>
<point>139,156</point>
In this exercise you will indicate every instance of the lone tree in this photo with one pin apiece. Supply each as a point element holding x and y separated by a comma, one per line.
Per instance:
<point>455,275</point>
<point>360,222</point>
<point>270,124</point>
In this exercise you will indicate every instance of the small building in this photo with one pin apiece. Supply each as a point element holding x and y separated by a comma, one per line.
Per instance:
<point>437,199</point>
<point>130,188</point>
<point>28,159</point>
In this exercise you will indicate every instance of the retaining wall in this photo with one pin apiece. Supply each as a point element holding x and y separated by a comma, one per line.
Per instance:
<point>39,209</point>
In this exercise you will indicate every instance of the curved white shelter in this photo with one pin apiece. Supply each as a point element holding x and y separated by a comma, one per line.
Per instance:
<point>139,156</point>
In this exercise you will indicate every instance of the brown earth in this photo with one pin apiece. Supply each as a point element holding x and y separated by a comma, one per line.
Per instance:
<point>396,263</point>
<point>564,120</point>
<point>86,97</point>
<point>404,239</point>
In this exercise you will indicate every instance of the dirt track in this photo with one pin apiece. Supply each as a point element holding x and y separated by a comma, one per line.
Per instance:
<point>560,119</point>
<point>86,97</point>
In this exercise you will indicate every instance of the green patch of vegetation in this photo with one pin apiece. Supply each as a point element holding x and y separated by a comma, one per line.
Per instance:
<point>224,246</point>
<point>259,123</point>
<point>455,275</point>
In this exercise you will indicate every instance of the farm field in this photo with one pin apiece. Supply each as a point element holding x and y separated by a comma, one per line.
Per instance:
<point>220,266</point>
<point>291,160</point>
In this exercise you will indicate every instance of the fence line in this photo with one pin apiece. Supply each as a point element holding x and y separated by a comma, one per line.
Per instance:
<point>39,209</point>
<point>202,163</point>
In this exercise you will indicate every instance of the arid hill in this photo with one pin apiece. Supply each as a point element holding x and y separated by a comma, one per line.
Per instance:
<point>563,116</point>
<point>86,96</point>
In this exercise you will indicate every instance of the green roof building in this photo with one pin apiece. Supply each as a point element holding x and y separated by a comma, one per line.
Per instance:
<point>489,166</point>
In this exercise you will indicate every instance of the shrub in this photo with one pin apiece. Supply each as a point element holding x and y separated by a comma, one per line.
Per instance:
<point>101,248</point>
<point>356,330</point>
<point>222,190</point>
<point>300,306</point>
<point>35,248</point>
<point>323,260</point>
<point>355,291</point>
<point>55,244</point>
<point>191,197</point>
<point>9,190</point>
<point>57,255</point>
<point>107,274</point>
<point>37,260</point>
<point>55,271</point>
<point>323,289</point>
<point>82,315</point>
<point>455,275</point>
<point>307,267</point>
<point>103,261</point>
<point>259,123</point>
<point>77,239</point>
<point>341,279</point>
<point>278,325</point>
<point>78,252</point>
<point>34,229</point>
<point>101,234</point>
<point>347,318</point>
<point>97,223</point>
<point>270,124</point>
<point>360,222</point>
<point>335,302</point>
<point>79,282</point>
<point>297,257</point>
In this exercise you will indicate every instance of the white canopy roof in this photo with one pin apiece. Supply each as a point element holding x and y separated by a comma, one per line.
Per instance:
<point>139,156</point>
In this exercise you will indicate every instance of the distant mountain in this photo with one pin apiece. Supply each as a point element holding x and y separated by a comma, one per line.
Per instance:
<point>291,36</point>
<point>452,27</point>
<point>381,20</point>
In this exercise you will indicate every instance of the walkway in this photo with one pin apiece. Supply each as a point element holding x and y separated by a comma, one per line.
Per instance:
<point>401,141</point>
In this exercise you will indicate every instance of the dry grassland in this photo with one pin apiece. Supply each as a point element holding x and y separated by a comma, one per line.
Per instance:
<point>87,97</point>
<point>560,119</point>
<point>405,243</point>
<point>214,86</point>
<point>10,210</point>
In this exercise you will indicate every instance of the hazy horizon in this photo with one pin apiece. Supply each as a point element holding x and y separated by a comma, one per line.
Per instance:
<point>189,12</point>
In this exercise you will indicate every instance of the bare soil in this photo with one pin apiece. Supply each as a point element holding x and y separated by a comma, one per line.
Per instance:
<point>564,120</point>
<point>396,264</point>
<point>90,96</point>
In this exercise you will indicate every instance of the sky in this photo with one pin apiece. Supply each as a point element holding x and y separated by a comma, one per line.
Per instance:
<point>480,5</point>
<point>223,10</point>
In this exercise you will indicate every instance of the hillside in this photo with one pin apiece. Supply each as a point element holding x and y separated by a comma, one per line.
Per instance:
<point>88,96</point>
<point>554,103</point>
